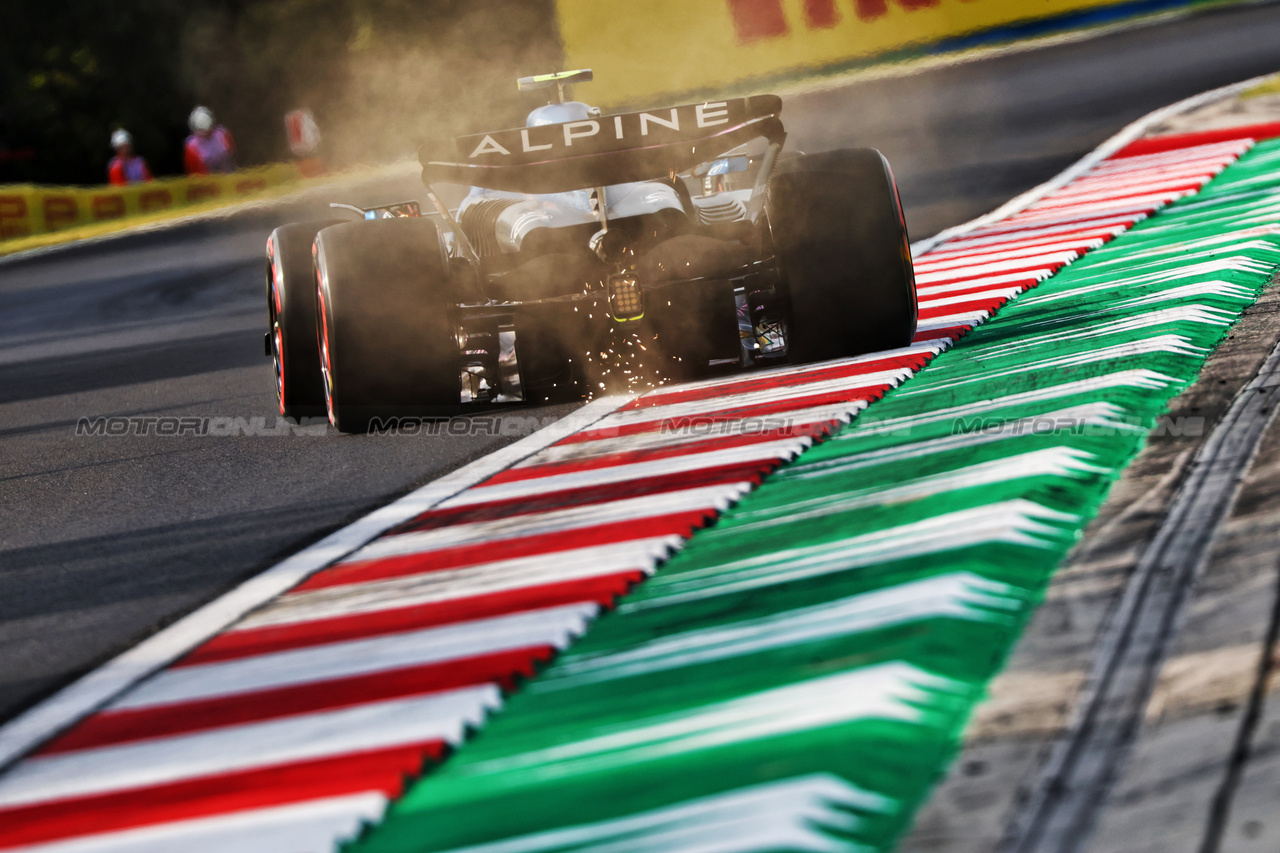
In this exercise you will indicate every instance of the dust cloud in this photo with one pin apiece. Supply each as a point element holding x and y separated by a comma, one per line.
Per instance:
<point>383,77</point>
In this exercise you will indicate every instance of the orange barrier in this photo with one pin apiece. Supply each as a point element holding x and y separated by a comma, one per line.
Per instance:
<point>28,210</point>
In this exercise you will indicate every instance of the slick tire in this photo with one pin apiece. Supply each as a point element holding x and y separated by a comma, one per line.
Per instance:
<point>291,320</point>
<point>842,242</point>
<point>384,304</point>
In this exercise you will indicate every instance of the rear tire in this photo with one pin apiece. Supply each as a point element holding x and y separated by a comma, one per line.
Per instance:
<point>840,235</point>
<point>388,343</point>
<point>291,320</point>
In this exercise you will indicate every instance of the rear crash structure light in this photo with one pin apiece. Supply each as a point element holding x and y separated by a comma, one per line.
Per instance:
<point>626,299</point>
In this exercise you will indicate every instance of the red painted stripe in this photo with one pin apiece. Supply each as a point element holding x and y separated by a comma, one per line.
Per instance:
<point>988,305</point>
<point>1209,152</point>
<point>1087,224</point>
<point>680,524</point>
<point>1066,223</point>
<point>930,264</point>
<point>603,590</point>
<point>1149,203</point>
<point>689,447</point>
<point>1207,160</point>
<point>1142,196</point>
<point>955,333</point>
<point>1031,217</point>
<point>961,275</point>
<point>968,291</point>
<point>1063,225</point>
<point>382,770</point>
<point>1032,240</point>
<point>113,727</point>
<point>707,419</point>
<point>1097,186</point>
<point>1158,167</point>
<point>1028,236</point>
<point>1075,241</point>
<point>1174,141</point>
<point>746,385</point>
<point>1151,183</point>
<point>653,484</point>
<point>1179,168</point>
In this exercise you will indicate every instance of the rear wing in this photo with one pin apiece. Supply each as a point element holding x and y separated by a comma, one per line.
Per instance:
<point>559,80</point>
<point>607,150</point>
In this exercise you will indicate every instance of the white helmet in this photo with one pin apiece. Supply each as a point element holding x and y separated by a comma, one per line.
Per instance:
<point>561,113</point>
<point>200,120</point>
<point>121,138</point>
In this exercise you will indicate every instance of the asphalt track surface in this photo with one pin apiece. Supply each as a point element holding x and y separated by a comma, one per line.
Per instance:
<point>105,539</point>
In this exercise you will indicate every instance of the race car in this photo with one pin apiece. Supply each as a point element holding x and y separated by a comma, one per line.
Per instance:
<point>589,253</point>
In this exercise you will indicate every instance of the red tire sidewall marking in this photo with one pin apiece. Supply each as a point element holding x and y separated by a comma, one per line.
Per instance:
<point>279,343</point>
<point>276,273</point>
<point>323,335</point>
<point>277,331</point>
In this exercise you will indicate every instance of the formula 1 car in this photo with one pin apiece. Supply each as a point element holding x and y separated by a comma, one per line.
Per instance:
<point>590,253</point>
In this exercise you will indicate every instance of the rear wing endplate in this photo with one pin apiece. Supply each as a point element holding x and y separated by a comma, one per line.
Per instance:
<point>607,150</point>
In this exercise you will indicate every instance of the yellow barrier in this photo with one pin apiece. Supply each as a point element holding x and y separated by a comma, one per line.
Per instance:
<point>27,210</point>
<point>643,48</point>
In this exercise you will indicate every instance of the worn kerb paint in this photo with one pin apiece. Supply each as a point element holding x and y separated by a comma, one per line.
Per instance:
<point>816,651</point>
